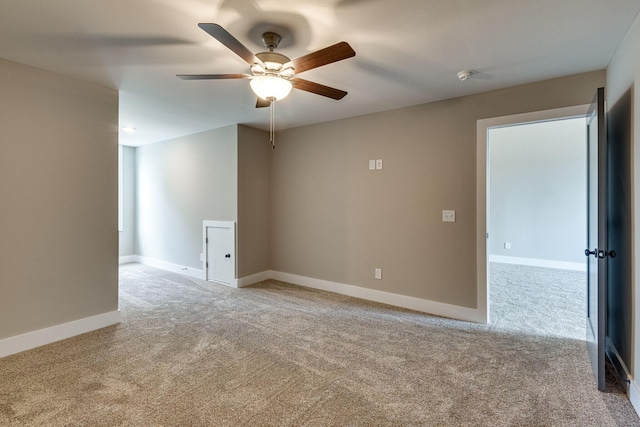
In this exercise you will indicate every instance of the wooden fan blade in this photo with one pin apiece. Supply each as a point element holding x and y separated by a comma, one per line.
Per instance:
<point>261,103</point>
<point>224,37</point>
<point>212,76</point>
<point>318,89</point>
<point>335,53</point>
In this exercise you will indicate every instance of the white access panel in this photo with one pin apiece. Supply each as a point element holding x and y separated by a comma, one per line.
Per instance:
<point>220,252</point>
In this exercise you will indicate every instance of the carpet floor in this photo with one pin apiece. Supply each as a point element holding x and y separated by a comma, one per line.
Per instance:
<point>193,353</point>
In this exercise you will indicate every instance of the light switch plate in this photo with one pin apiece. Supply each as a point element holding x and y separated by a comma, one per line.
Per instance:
<point>378,273</point>
<point>372,165</point>
<point>448,216</point>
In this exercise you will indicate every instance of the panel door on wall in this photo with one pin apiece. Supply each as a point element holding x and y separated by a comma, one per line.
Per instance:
<point>220,253</point>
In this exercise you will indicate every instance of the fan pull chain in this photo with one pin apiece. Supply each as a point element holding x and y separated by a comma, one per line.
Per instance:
<point>272,122</point>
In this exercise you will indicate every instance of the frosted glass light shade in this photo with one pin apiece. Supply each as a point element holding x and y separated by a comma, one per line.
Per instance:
<point>267,87</point>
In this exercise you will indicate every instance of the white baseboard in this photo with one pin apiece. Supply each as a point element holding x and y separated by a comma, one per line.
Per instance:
<point>196,273</point>
<point>247,280</point>
<point>633,389</point>
<point>562,265</point>
<point>127,259</point>
<point>634,394</point>
<point>174,268</point>
<point>19,343</point>
<point>254,278</point>
<point>412,303</point>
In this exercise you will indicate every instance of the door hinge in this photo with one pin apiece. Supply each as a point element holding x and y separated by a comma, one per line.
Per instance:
<point>206,240</point>
<point>207,264</point>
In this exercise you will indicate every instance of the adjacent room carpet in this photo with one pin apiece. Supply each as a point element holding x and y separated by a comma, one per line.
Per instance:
<point>193,353</point>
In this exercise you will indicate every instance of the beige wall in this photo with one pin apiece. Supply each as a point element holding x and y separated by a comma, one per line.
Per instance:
<point>219,175</point>
<point>254,153</point>
<point>333,219</point>
<point>58,185</point>
<point>623,75</point>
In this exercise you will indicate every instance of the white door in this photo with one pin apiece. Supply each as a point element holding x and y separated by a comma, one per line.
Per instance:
<point>220,254</point>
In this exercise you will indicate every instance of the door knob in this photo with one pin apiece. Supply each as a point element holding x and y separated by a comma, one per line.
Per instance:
<point>610,254</point>
<point>227,256</point>
<point>594,252</point>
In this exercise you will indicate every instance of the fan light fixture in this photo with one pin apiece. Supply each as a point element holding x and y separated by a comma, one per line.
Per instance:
<point>272,74</point>
<point>271,87</point>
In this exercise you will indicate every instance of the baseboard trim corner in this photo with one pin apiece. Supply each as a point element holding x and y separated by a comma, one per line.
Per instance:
<point>253,279</point>
<point>127,259</point>
<point>31,340</point>
<point>412,303</point>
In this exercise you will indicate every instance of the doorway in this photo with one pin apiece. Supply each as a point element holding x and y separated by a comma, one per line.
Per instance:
<point>518,244</point>
<point>537,221</point>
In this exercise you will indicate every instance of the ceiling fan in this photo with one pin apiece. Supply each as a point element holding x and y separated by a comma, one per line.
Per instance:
<point>272,74</point>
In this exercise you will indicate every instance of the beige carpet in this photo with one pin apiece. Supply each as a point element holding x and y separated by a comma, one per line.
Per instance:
<point>191,353</point>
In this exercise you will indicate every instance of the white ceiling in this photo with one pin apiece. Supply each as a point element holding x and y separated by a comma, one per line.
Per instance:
<point>407,52</point>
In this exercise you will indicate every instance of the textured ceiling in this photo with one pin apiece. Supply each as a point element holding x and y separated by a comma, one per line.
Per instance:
<point>407,52</point>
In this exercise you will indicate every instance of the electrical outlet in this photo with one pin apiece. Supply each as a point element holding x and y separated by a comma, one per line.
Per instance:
<point>448,216</point>
<point>379,164</point>
<point>378,273</point>
<point>507,245</point>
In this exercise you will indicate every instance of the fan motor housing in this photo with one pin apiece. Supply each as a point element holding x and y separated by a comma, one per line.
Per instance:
<point>270,58</point>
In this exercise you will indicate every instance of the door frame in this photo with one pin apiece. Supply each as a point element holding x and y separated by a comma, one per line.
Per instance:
<point>482,189</point>
<point>220,224</point>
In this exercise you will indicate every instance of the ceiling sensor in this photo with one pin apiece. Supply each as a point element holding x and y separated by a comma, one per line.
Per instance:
<point>464,75</point>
